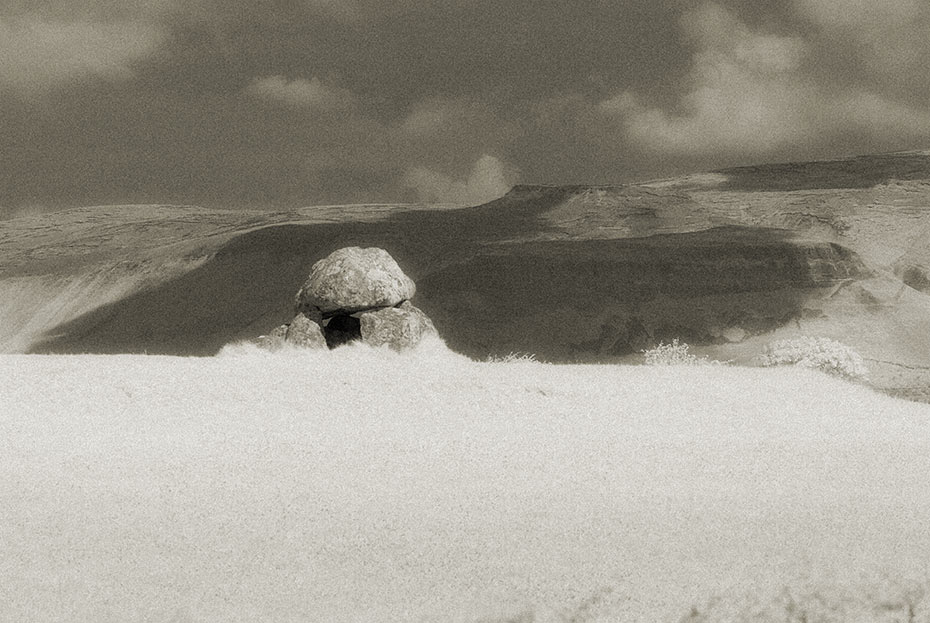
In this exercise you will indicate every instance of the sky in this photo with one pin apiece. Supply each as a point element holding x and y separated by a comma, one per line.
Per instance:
<point>289,103</point>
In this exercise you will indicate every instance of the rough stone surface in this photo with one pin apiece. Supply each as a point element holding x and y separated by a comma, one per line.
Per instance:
<point>274,340</point>
<point>354,279</point>
<point>398,327</point>
<point>305,333</point>
<point>311,313</point>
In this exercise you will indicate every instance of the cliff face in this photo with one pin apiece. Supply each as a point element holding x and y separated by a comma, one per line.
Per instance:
<point>726,261</point>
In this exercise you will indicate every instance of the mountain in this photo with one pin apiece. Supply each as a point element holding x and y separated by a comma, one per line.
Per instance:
<point>727,261</point>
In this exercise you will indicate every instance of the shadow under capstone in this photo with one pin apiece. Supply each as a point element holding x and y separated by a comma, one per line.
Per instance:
<point>342,329</point>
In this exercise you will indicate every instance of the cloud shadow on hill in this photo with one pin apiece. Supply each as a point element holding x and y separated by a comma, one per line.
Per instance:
<point>487,288</point>
<point>248,286</point>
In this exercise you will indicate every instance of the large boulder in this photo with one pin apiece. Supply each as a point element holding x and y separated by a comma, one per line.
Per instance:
<point>305,333</point>
<point>399,327</point>
<point>354,279</point>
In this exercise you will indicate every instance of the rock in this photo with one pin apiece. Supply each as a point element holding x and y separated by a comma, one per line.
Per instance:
<point>917,277</point>
<point>354,294</point>
<point>274,340</point>
<point>353,279</point>
<point>305,333</point>
<point>398,327</point>
<point>734,335</point>
<point>311,313</point>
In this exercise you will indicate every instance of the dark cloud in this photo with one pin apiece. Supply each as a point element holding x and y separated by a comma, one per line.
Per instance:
<point>40,55</point>
<point>293,102</point>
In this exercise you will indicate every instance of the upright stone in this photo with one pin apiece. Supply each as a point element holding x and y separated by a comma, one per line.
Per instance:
<point>399,327</point>
<point>305,333</point>
<point>354,279</point>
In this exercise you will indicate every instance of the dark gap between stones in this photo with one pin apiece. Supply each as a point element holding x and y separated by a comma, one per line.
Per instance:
<point>342,329</point>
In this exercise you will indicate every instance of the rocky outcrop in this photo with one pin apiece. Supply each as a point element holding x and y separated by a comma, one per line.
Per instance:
<point>354,294</point>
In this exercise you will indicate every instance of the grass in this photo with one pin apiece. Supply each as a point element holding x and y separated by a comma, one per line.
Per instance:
<point>874,600</point>
<point>515,357</point>
<point>364,485</point>
<point>817,353</point>
<point>675,354</point>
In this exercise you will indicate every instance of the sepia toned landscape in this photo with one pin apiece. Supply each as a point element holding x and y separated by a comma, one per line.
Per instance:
<point>520,466</point>
<point>464,311</point>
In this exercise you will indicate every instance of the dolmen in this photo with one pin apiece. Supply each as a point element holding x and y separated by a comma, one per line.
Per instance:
<point>353,294</point>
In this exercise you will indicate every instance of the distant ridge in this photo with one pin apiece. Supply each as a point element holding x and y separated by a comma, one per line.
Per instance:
<point>861,171</point>
<point>857,172</point>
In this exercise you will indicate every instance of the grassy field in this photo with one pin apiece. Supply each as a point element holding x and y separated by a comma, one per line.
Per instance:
<point>361,485</point>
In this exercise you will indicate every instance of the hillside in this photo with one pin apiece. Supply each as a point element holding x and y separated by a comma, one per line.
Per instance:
<point>727,261</point>
<point>365,486</point>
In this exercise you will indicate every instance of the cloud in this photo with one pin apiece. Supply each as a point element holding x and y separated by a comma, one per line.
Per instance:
<point>743,94</point>
<point>435,115</point>
<point>454,118</point>
<point>451,133</point>
<point>868,112</point>
<point>489,180</point>
<point>38,55</point>
<point>891,38</point>
<point>859,14</point>
<point>226,101</point>
<point>748,95</point>
<point>342,10</point>
<point>301,93</point>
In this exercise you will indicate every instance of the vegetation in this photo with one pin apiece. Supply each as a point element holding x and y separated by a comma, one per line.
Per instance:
<point>512,358</point>
<point>874,600</point>
<point>675,354</point>
<point>819,353</point>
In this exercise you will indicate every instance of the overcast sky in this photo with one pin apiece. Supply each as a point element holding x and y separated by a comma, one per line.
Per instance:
<point>298,102</point>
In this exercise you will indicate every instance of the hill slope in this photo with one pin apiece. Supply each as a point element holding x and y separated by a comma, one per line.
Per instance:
<point>727,261</point>
<point>364,486</point>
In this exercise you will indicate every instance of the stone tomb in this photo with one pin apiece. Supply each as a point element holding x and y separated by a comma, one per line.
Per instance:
<point>354,294</point>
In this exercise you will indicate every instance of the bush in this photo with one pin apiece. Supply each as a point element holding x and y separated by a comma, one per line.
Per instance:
<point>513,358</point>
<point>675,354</point>
<point>819,353</point>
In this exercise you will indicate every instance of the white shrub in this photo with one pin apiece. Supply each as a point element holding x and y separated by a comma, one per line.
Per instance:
<point>513,358</point>
<point>819,353</point>
<point>675,354</point>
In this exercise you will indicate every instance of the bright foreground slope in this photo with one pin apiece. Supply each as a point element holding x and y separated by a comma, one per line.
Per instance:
<point>371,487</point>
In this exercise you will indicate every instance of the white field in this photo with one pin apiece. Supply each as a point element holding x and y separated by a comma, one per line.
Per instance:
<point>365,486</point>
